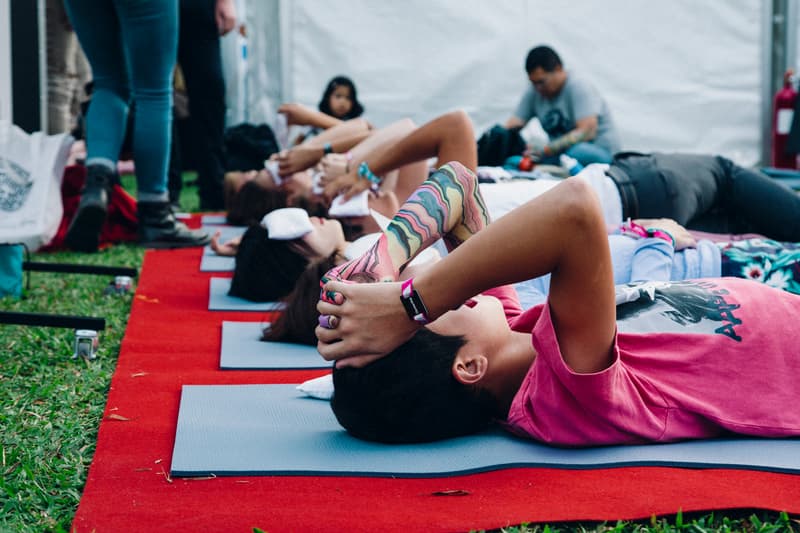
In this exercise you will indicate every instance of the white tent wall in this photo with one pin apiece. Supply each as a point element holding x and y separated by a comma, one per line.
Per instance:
<point>679,76</point>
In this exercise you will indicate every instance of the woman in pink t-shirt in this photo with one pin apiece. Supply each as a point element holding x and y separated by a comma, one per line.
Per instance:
<point>672,361</point>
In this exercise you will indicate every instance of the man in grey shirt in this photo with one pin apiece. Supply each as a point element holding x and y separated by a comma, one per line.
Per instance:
<point>570,109</point>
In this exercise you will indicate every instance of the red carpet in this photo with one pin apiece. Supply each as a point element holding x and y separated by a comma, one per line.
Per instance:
<point>173,340</point>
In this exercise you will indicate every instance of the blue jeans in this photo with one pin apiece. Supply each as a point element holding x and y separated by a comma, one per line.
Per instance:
<point>132,48</point>
<point>586,153</point>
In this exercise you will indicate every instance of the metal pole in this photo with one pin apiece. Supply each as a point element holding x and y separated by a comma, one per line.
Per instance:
<point>52,321</point>
<point>779,52</point>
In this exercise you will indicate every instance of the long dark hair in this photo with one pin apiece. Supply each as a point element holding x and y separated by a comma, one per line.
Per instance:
<point>248,205</point>
<point>325,104</point>
<point>299,318</point>
<point>266,270</point>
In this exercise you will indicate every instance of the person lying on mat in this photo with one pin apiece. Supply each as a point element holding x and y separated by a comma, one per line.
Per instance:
<point>655,250</point>
<point>242,188</point>
<point>449,351</point>
<point>447,137</point>
<point>289,246</point>
<point>252,195</point>
<point>701,192</point>
<point>663,250</point>
<point>648,250</point>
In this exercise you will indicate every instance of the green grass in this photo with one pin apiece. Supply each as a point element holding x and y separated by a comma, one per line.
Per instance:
<point>51,405</point>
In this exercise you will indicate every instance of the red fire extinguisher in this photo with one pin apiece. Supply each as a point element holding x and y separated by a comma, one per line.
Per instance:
<point>782,115</point>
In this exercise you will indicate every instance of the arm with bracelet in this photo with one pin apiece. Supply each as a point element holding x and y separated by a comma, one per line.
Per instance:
<point>651,256</point>
<point>561,232</point>
<point>449,137</point>
<point>335,140</point>
<point>447,205</point>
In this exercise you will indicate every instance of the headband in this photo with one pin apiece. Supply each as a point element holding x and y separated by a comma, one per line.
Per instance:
<point>287,224</point>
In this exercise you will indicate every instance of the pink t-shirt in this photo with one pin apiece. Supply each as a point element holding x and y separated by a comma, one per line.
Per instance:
<point>706,357</point>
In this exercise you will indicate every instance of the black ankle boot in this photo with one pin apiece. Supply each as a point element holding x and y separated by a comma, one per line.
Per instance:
<point>159,229</point>
<point>83,234</point>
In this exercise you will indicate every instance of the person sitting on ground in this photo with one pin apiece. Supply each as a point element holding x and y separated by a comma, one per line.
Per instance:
<point>576,371</point>
<point>571,110</point>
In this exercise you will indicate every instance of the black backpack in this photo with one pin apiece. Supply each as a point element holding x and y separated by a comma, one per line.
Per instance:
<point>248,145</point>
<point>498,144</point>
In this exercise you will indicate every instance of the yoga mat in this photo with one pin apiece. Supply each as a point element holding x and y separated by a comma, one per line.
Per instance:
<point>243,349</point>
<point>219,300</point>
<point>276,430</point>
<point>226,233</point>
<point>213,220</point>
<point>171,340</point>
<point>217,263</point>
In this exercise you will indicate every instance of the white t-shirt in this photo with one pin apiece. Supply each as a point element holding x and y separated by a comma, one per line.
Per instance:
<point>503,197</point>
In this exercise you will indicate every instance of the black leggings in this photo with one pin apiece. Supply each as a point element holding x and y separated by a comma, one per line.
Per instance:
<point>706,193</point>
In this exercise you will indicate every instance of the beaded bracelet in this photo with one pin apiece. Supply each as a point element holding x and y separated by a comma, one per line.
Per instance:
<point>413,304</point>
<point>365,173</point>
<point>327,148</point>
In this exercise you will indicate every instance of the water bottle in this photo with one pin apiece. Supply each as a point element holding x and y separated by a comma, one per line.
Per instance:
<point>570,164</point>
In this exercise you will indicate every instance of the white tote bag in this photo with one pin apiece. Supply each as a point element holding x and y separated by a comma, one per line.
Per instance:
<point>31,170</point>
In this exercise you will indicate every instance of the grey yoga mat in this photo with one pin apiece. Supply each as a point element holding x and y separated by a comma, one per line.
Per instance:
<point>219,300</point>
<point>274,430</point>
<point>213,220</point>
<point>217,263</point>
<point>242,349</point>
<point>226,233</point>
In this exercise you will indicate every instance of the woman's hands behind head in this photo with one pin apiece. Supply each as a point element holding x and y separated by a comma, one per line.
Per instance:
<point>371,322</point>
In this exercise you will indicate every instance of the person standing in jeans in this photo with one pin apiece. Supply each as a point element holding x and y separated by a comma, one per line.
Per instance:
<point>132,48</point>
